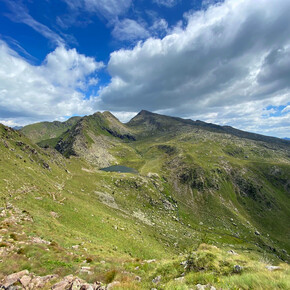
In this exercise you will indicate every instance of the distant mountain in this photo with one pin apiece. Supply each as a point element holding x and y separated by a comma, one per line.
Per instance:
<point>143,124</point>
<point>47,130</point>
<point>147,123</point>
<point>17,127</point>
<point>91,137</point>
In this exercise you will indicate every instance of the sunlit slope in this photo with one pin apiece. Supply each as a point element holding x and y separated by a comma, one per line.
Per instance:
<point>194,186</point>
<point>47,130</point>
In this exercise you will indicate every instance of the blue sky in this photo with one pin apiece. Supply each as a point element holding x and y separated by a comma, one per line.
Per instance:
<point>226,62</point>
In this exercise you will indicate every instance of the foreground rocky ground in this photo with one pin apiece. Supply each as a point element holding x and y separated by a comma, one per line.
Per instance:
<point>26,280</point>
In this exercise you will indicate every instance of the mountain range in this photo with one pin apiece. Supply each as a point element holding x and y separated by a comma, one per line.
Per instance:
<point>208,196</point>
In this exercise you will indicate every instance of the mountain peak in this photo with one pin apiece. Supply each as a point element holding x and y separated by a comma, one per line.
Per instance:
<point>144,112</point>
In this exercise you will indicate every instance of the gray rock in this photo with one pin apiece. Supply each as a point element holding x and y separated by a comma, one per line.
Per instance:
<point>13,278</point>
<point>273,268</point>
<point>25,280</point>
<point>232,252</point>
<point>98,286</point>
<point>200,287</point>
<point>62,285</point>
<point>238,269</point>
<point>69,278</point>
<point>86,270</point>
<point>150,261</point>
<point>76,285</point>
<point>54,214</point>
<point>257,233</point>
<point>179,279</point>
<point>184,264</point>
<point>38,240</point>
<point>113,284</point>
<point>86,286</point>
<point>156,280</point>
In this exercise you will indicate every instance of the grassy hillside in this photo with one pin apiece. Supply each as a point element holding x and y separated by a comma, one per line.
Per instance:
<point>202,203</point>
<point>150,124</point>
<point>46,130</point>
<point>91,138</point>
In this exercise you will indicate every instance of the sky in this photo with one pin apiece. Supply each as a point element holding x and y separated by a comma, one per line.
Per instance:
<point>225,62</point>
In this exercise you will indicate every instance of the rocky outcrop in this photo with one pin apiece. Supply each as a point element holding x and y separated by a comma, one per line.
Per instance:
<point>26,280</point>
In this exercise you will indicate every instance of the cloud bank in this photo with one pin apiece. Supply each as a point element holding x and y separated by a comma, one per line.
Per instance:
<point>50,91</point>
<point>220,62</point>
<point>228,64</point>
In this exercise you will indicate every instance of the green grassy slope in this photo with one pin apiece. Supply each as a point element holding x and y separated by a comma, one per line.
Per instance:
<point>91,138</point>
<point>46,130</point>
<point>213,186</point>
<point>194,187</point>
<point>148,124</point>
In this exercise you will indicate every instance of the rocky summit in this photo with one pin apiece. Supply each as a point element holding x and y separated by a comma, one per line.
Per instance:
<point>199,206</point>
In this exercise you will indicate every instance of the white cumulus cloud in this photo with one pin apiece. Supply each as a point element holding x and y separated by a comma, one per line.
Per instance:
<point>231,59</point>
<point>49,91</point>
<point>129,29</point>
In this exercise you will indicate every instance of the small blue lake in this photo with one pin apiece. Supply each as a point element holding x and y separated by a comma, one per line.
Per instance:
<point>120,168</point>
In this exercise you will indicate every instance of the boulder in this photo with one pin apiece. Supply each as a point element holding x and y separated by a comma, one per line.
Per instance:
<point>113,284</point>
<point>86,270</point>
<point>273,268</point>
<point>150,261</point>
<point>62,285</point>
<point>69,278</point>
<point>200,287</point>
<point>232,252</point>
<point>13,278</point>
<point>54,214</point>
<point>76,285</point>
<point>179,279</point>
<point>38,240</point>
<point>98,286</point>
<point>86,286</point>
<point>39,282</point>
<point>25,280</point>
<point>156,280</point>
<point>238,269</point>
